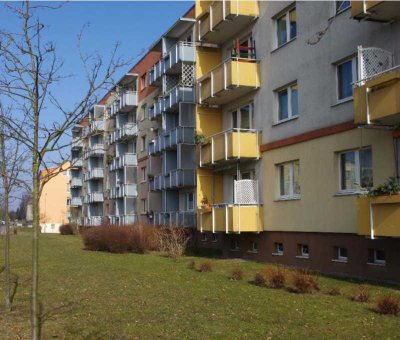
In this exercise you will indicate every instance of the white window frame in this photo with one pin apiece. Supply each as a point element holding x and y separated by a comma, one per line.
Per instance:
<point>254,247</point>
<point>239,116</point>
<point>144,205</point>
<point>353,76</point>
<point>357,169</point>
<point>291,195</point>
<point>144,173</point>
<point>376,260</point>
<point>287,88</point>
<point>285,13</point>
<point>187,195</point>
<point>302,253</point>
<point>339,257</point>
<point>279,251</point>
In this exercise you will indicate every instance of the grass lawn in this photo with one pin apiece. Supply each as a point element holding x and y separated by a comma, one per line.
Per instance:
<point>92,295</point>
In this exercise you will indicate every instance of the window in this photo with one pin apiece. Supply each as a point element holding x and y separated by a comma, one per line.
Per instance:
<point>143,81</point>
<point>341,254</point>
<point>356,170</point>
<point>288,106</point>
<point>342,5</point>
<point>278,248</point>
<point>204,237</point>
<point>214,238</point>
<point>286,27</point>
<point>144,205</point>
<point>245,50</point>
<point>242,118</point>
<point>145,112</point>
<point>253,247</point>
<point>289,183</point>
<point>234,245</point>
<point>304,250</point>
<point>346,75</point>
<point>144,174</point>
<point>143,143</point>
<point>190,201</point>
<point>377,256</point>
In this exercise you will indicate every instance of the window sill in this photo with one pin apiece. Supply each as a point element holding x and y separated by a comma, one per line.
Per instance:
<point>342,101</point>
<point>235,250</point>
<point>284,199</point>
<point>253,251</point>
<point>339,261</point>
<point>376,264</point>
<point>349,193</point>
<point>277,254</point>
<point>283,121</point>
<point>302,257</point>
<point>283,45</point>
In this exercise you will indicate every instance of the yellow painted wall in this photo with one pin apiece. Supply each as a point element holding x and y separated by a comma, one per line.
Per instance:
<point>201,7</point>
<point>320,209</point>
<point>205,188</point>
<point>53,201</point>
<point>206,60</point>
<point>208,121</point>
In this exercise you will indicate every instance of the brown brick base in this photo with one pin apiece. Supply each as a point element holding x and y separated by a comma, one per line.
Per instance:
<point>321,253</point>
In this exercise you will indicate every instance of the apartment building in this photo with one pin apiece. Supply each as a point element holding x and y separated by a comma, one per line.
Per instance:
<point>298,107</point>
<point>172,150</point>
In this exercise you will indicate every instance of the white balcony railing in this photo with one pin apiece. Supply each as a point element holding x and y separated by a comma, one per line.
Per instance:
<point>76,201</point>
<point>181,52</point>
<point>77,143</point>
<point>128,100</point>
<point>76,182</point>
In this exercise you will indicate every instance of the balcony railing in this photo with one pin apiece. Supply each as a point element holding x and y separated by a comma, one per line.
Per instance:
<point>123,190</point>
<point>159,107</point>
<point>157,183</point>
<point>77,162</point>
<point>180,135</point>
<point>77,143</point>
<point>127,159</point>
<point>76,182</point>
<point>231,218</point>
<point>379,216</point>
<point>128,101</point>
<point>230,80</point>
<point>95,173</point>
<point>179,178</point>
<point>182,52</point>
<point>178,94</point>
<point>186,219</point>
<point>93,221</point>
<point>229,145</point>
<point>156,72</point>
<point>94,197</point>
<point>96,126</point>
<point>96,150</point>
<point>76,201</point>
<point>224,19</point>
<point>128,219</point>
<point>383,11</point>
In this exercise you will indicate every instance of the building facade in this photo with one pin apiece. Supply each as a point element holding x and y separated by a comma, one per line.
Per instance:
<point>264,125</point>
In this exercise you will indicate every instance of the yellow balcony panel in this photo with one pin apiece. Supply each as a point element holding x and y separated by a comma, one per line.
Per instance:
<point>375,10</point>
<point>229,81</point>
<point>378,100</point>
<point>231,219</point>
<point>379,216</point>
<point>224,19</point>
<point>202,7</point>
<point>230,145</point>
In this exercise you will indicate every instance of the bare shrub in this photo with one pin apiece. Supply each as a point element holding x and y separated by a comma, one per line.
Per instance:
<point>388,305</point>
<point>67,229</point>
<point>114,239</point>
<point>334,291</point>
<point>304,282</point>
<point>205,267</point>
<point>260,279</point>
<point>236,273</point>
<point>173,241</point>
<point>276,277</point>
<point>362,294</point>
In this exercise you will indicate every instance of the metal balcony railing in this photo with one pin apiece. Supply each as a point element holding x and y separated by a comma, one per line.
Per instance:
<point>128,100</point>
<point>123,190</point>
<point>185,219</point>
<point>76,162</point>
<point>179,178</point>
<point>95,173</point>
<point>127,159</point>
<point>76,182</point>
<point>93,221</point>
<point>76,201</point>
<point>128,219</point>
<point>96,150</point>
<point>179,94</point>
<point>181,52</point>
<point>77,143</point>
<point>95,197</point>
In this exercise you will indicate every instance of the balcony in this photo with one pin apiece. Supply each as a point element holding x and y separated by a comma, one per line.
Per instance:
<point>186,219</point>
<point>77,143</point>
<point>157,183</point>
<point>114,107</point>
<point>76,202</point>
<point>94,197</point>
<point>176,95</point>
<point>229,81</point>
<point>128,101</point>
<point>179,178</point>
<point>179,135</point>
<point>123,190</point>
<point>96,126</point>
<point>182,52</point>
<point>76,162</point>
<point>127,159</point>
<point>378,216</point>
<point>128,219</point>
<point>76,182</point>
<point>96,150</point>
<point>224,19</point>
<point>95,173</point>
<point>231,218</point>
<point>127,131</point>
<point>156,72</point>
<point>157,144</point>
<point>158,107</point>
<point>383,11</point>
<point>377,99</point>
<point>93,221</point>
<point>230,145</point>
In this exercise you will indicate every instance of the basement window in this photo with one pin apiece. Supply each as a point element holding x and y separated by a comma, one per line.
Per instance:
<point>303,251</point>
<point>214,238</point>
<point>234,245</point>
<point>204,237</point>
<point>340,254</point>
<point>253,247</point>
<point>278,246</point>
<point>377,257</point>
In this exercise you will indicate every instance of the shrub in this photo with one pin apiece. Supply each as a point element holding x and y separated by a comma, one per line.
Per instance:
<point>205,267</point>
<point>334,291</point>
<point>114,239</point>
<point>304,281</point>
<point>67,229</point>
<point>388,305</point>
<point>276,277</point>
<point>173,241</point>
<point>362,294</point>
<point>236,274</point>
<point>260,279</point>
<point>192,264</point>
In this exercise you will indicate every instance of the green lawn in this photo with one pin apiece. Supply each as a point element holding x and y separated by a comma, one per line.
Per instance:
<point>92,295</point>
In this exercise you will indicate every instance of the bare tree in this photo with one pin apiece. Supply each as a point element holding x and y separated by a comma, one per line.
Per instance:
<point>12,166</point>
<point>29,70</point>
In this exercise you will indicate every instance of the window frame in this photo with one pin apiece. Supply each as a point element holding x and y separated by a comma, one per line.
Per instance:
<point>238,112</point>
<point>339,9</point>
<point>304,254</point>
<point>354,77</point>
<point>187,195</point>
<point>144,173</point>
<point>279,251</point>
<point>376,260</point>
<point>253,247</point>
<point>291,195</point>
<point>237,247</point>
<point>340,257</point>
<point>357,170</point>
<point>203,237</point>
<point>285,14</point>
<point>288,89</point>
<point>214,238</point>
<point>144,205</point>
